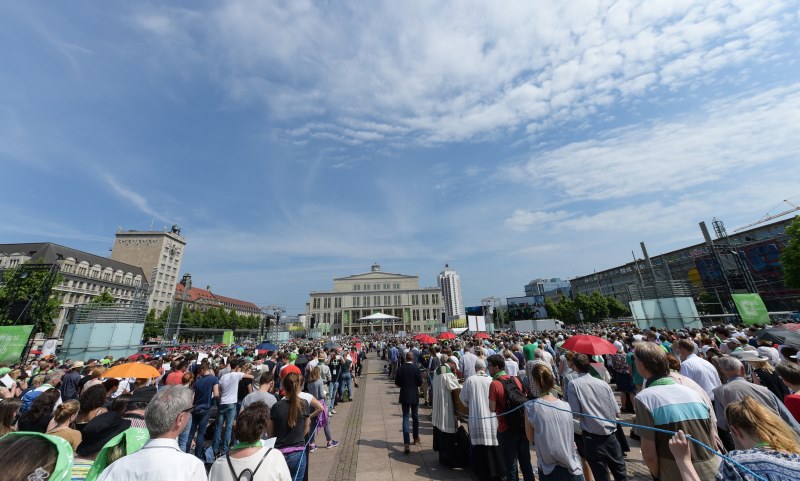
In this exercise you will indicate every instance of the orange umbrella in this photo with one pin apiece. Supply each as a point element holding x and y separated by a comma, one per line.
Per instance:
<point>133,369</point>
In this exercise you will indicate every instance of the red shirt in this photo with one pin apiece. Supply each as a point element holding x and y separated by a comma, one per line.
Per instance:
<point>174,378</point>
<point>792,402</point>
<point>498,395</point>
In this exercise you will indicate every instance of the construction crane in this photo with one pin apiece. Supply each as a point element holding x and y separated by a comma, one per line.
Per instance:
<point>767,217</point>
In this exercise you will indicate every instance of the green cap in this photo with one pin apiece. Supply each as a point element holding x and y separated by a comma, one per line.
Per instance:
<point>134,439</point>
<point>64,458</point>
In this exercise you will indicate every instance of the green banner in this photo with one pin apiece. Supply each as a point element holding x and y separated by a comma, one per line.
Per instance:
<point>751,309</point>
<point>12,342</point>
<point>227,338</point>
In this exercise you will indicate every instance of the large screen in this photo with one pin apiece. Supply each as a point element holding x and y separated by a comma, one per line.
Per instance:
<point>524,308</point>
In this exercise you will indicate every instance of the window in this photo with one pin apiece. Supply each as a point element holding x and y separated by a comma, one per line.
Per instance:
<point>356,302</point>
<point>397,285</point>
<point>415,314</point>
<point>414,299</point>
<point>366,287</point>
<point>386,286</point>
<point>337,302</point>
<point>426,313</point>
<point>356,287</point>
<point>377,300</point>
<point>366,301</point>
<point>425,299</point>
<point>434,298</point>
<point>377,287</point>
<point>337,317</point>
<point>327,303</point>
<point>387,300</point>
<point>396,300</point>
<point>315,303</point>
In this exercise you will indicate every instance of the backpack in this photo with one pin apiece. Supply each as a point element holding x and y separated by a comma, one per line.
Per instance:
<point>247,474</point>
<point>514,399</point>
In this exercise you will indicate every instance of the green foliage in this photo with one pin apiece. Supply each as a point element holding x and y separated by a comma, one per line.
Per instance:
<point>790,256</point>
<point>595,307</point>
<point>104,298</point>
<point>154,326</point>
<point>42,309</point>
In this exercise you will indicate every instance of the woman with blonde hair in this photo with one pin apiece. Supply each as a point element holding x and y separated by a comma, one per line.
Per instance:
<point>768,446</point>
<point>63,419</point>
<point>764,374</point>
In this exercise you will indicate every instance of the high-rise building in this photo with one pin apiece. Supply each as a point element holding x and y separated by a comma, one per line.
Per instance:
<point>450,284</point>
<point>159,254</point>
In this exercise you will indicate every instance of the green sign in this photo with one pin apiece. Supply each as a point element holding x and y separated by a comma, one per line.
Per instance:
<point>12,342</point>
<point>227,338</point>
<point>751,308</point>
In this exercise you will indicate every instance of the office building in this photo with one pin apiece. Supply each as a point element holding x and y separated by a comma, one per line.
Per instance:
<point>159,254</point>
<point>85,276</point>
<point>757,250</point>
<point>552,288</point>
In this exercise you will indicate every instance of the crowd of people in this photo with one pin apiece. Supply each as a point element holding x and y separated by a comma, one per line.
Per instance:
<point>690,390</point>
<point>222,413</point>
<point>212,413</point>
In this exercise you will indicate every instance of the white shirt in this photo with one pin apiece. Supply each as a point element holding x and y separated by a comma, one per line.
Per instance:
<point>273,468</point>
<point>229,387</point>
<point>702,372</point>
<point>159,460</point>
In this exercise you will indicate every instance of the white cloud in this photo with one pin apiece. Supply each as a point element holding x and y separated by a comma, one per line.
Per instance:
<point>448,72</point>
<point>137,200</point>
<point>522,220</point>
<point>724,138</point>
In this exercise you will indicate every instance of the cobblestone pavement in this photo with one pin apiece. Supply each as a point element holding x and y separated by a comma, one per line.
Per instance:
<point>371,440</point>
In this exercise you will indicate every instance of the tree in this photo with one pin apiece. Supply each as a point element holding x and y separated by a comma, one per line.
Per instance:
<point>790,256</point>
<point>551,308</point>
<point>104,298</point>
<point>153,326</point>
<point>567,310</point>
<point>33,288</point>
<point>616,308</point>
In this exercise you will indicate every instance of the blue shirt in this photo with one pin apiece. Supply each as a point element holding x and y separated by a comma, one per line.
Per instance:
<point>203,391</point>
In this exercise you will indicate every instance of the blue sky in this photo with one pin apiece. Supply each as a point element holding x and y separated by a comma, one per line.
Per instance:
<point>294,141</point>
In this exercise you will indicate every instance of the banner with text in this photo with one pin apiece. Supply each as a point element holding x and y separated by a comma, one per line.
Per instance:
<point>12,342</point>
<point>751,308</point>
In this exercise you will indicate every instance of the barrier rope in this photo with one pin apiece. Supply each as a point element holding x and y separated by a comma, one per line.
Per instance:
<point>637,426</point>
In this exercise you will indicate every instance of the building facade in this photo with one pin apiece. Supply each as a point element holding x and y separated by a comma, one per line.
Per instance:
<point>338,311</point>
<point>450,284</point>
<point>754,252</point>
<point>85,276</point>
<point>159,254</point>
<point>204,299</point>
<point>552,288</point>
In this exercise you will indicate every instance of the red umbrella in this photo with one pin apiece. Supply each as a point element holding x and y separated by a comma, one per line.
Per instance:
<point>425,339</point>
<point>482,335</point>
<point>446,335</point>
<point>591,345</point>
<point>36,352</point>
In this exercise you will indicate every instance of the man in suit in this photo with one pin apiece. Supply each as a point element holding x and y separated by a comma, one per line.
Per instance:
<point>409,379</point>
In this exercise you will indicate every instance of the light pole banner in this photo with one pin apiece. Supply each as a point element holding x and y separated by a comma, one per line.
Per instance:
<point>751,309</point>
<point>12,342</point>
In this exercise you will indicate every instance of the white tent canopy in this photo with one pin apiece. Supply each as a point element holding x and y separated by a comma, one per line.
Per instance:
<point>378,316</point>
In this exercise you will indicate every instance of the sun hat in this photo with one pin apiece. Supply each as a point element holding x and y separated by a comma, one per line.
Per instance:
<point>751,356</point>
